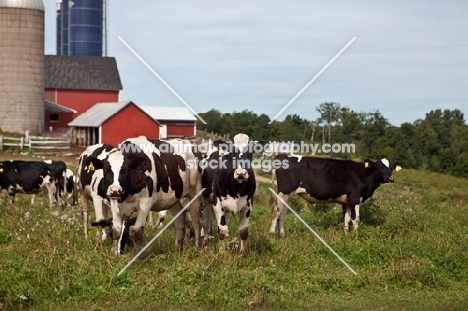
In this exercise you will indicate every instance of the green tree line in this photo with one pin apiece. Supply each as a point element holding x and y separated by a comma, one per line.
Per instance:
<point>437,143</point>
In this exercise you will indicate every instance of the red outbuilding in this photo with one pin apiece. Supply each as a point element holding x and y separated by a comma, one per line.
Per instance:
<point>112,123</point>
<point>175,121</point>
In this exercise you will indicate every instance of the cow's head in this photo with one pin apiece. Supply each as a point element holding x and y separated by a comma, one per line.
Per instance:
<point>125,234</point>
<point>123,175</point>
<point>383,168</point>
<point>239,153</point>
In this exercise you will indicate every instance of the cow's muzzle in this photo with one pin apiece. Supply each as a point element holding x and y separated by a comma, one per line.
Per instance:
<point>241,175</point>
<point>390,179</point>
<point>114,192</point>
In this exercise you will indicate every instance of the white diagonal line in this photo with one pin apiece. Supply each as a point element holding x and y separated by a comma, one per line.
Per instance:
<point>161,79</point>
<point>160,232</point>
<point>315,233</point>
<point>310,82</point>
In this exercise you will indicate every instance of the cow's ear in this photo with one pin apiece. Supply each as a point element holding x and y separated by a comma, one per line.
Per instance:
<point>397,166</point>
<point>138,163</point>
<point>223,146</point>
<point>368,163</point>
<point>93,163</point>
<point>216,143</point>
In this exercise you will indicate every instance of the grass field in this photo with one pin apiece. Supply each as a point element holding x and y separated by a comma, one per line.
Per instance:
<point>411,253</point>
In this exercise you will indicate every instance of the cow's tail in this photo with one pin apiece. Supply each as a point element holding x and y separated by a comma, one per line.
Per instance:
<point>273,182</point>
<point>273,177</point>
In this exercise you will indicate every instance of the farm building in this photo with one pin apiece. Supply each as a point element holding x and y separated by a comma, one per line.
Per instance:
<point>175,121</point>
<point>79,82</point>
<point>57,117</point>
<point>111,123</point>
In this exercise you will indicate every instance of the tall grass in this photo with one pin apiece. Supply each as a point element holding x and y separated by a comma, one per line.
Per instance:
<point>411,252</point>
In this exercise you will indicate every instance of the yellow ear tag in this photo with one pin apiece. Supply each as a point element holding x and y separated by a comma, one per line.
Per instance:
<point>397,168</point>
<point>222,152</point>
<point>91,166</point>
<point>1,170</point>
<point>366,164</point>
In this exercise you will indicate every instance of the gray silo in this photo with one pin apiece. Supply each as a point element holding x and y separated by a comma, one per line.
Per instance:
<point>22,65</point>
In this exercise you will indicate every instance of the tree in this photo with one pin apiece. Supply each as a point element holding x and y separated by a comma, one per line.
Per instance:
<point>329,111</point>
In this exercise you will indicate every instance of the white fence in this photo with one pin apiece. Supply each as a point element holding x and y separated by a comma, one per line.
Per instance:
<point>35,142</point>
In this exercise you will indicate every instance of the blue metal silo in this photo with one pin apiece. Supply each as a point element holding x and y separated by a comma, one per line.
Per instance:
<point>64,18</point>
<point>86,22</point>
<point>59,27</point>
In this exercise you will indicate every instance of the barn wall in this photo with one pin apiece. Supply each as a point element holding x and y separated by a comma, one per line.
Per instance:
<point>82,100</point>
<point>129,122</point>
<point>180,128</point>
<point>62,123</point>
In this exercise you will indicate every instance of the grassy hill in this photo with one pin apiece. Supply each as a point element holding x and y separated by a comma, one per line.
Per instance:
<point>411,253</point>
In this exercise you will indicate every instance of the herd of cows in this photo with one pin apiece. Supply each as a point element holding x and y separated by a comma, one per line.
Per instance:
<point>141,176</point>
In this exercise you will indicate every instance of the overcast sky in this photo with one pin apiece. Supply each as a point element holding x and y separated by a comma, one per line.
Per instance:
<point>409,57</point>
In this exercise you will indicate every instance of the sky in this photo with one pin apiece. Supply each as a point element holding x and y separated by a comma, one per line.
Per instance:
<point>408,58</point>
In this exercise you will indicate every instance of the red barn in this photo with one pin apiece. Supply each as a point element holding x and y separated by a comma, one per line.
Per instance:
<point>175,121</point>
<point>112,123</point>
<point>57,117</point>
<point>79,82</point>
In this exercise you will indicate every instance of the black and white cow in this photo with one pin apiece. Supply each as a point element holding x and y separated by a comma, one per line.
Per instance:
<point>229,182</point>
<point>149,176</point>
<point>32,177</point>
<point>90,185</point>
<point>319,180</point>
<point>69,183</point>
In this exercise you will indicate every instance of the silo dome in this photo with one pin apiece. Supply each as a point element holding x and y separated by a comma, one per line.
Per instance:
<point>23,4</point>
<point>22,63</point>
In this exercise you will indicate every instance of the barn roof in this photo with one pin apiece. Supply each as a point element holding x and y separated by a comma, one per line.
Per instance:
<point>100,113</point>
<point>51,106</point>
<point>161,113</point>
<point>82,73</point>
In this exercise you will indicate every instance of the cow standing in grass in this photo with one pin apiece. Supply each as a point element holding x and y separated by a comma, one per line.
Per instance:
<point>229,182</point>
<point>150,176</point>
<point>90,185</point>
<point>33,177</point>
<point>319,180</point>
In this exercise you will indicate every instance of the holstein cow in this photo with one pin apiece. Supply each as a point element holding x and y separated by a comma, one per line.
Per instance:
<point>229,182</point>
<point>90,185</point>
<point>319,180</point>
<point>32,177</point>
<point>69,183</point>
<point>149,176</point>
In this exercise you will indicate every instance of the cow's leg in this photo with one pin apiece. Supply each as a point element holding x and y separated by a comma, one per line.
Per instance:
<point>84,214</point>
<point>51,191</point>
<point>179,225</point>
<point>208,217</point>
<point>100,215</point>
<point>195,215</point>
<point>355,217</point>
<point>143,209</point>
<point>222,219</point>
<point>244,227</point>
<point>278,214</point>
<point>150,219</point>
<point>161,217</point>
<point>347,217</point>
<point>116,227</point>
